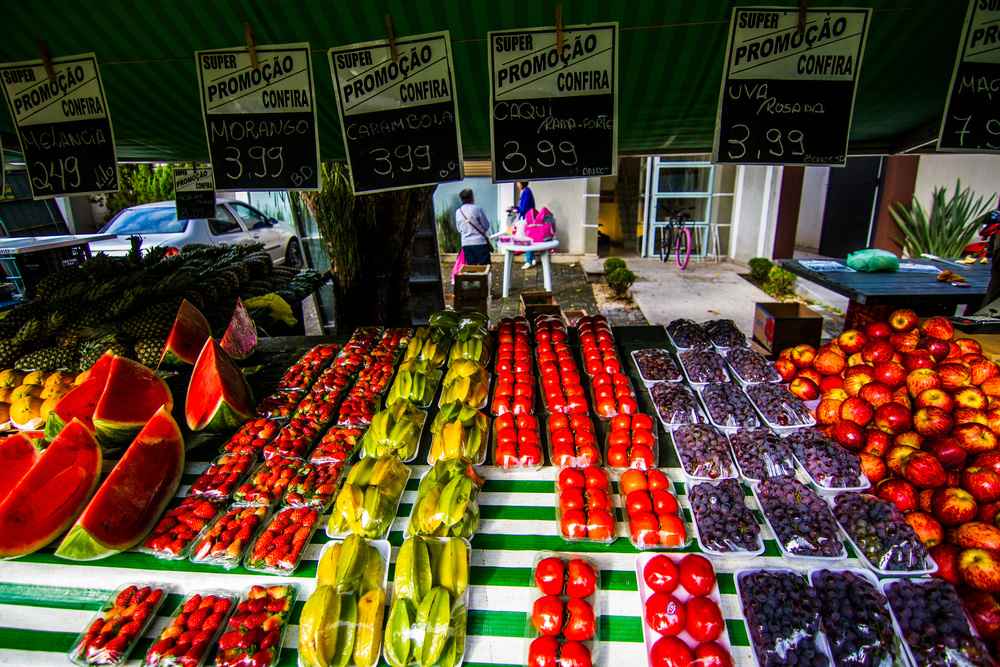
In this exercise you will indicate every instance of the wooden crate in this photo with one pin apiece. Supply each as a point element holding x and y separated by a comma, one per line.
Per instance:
<point>539,302</point>
<point>472,288</point>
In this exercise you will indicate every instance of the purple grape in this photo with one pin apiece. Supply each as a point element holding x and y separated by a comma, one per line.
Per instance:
<point>724,333</point>
<point>729,406</point>
<point>778,406</point>
<point>830,465</point>
<point>761,454</point>
<point>856,620</point>
<point>688,334</point>
<point>703,366</point>
<point>934,626</point>
<point>724,521</point>
<point>880,532</point>
<point>675,403</point>
<point>657,365</point>
<point>703,451</point>
<point>802,522</point>
<point>782,615</point>
<point>750,366</point>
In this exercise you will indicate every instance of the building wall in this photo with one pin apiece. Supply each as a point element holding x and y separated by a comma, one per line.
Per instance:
<point>979,172</point>
<point>811,208</point>
<point>574,210</point>
<point>755,208</point>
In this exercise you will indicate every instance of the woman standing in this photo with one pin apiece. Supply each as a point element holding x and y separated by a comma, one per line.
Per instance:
<point>474,227</point>
<point>525,204</point>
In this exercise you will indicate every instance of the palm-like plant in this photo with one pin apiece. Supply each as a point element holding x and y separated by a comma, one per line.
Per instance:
<point>950,226</point>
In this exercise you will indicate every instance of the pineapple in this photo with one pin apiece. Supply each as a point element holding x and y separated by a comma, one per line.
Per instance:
<point>92,350</point>
<point>48,359</point>
<point>154,321</point>
<point>149,350</point>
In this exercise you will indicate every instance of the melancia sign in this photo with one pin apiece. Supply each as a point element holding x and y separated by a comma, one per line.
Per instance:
<point>788,90</point>
<point>194,193</point>
<point>63,125</point>
<point>398,117</point>
<point>554,110</point>
<point>971,120</point>
<point>260,122</point>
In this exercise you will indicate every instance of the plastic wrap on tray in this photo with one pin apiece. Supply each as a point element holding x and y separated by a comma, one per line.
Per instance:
<point>760,454</point>
<point>656,365</point>
<point>314,485</point>
<point>703,452</point>
<point>800,519</point>
<point>465,381</point>
<point>514,391</point>
<point>597,346</point>
<point>584,506</point>
<point>268,481</point>
<point>703,366</point>
<point>930,618</point>
<point>337,445</point>
<point>782,615</point>
<point>221,477</point>
<point>396,431</point>
<point>612,395</point>
<point>376,376</point>
<point>459,432</point>
<point>676,404</point>
<point>446,504</point>
<point>189,636</point>
<point>414,384</point>
<point>119,625</point>
<point>724,523</point>
<point>856,619</point>
<point>295,439</point>
<point>255,632</point>
<point>517,441</point>
<point>728,407</point>
<point>333,383</point>
<point>779,407</point>
<point>881,534</point>
<point>319,407</point>
<point>358,408</point>
<point>369,497</point>
<point>750,367</point>
<point>225,540</point>
<point>572,440</point>
<point>829,465</point>
<point>252,436</point>
<point>724,333</point>
<point>687,334</point>
<point>428,347</point>
<point>281,404</point>
<point>475,348</point>
<point>282,541</point>
<point>305,371</point>
<point>654,516</point>
<point>178,528</point>
<point>566,613</point>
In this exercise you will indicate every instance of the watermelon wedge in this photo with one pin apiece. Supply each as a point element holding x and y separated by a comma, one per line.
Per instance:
<point>79,402</point>
<point>186,338</point>
<point>240,337</point>
<point>218,396</point>
<point>135,493</point>
<point>132,394</point>
<point>17,454</point>
<point>51,495</point>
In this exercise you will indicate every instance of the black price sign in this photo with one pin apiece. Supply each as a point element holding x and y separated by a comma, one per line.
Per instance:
<point>971,121</point>
<point>398,117</point>
<point>554,109</point>
<point>260,121</point>
<point>194,193</point>
<point>63,124</point>
<point>788,90</point>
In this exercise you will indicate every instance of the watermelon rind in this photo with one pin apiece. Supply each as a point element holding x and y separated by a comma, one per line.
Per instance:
<point>187,336</point>
<point>240,337</point>
<point>132,394</point>
<point>132,493</point>
<point>218,396</point>
<point>81,400</point>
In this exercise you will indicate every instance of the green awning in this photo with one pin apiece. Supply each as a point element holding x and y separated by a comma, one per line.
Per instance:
<point>670,61</point>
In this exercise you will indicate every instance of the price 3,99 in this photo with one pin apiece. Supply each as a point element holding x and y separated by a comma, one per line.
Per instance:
<point>775,144</point>
<point>546,155</point>
<point>405,158</point>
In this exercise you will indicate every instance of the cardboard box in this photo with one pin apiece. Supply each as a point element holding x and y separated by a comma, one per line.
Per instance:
<point>780,325</point>
<point>472,288</point>
<point>539,302</point>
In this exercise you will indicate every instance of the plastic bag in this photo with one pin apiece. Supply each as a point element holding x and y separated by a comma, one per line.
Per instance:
<point>584,506</point>
<point>800,520</point>
<point>675,404</point>
<point>367,502</point>
<point>199,615</point>
<point>704,366</point>
<point>724,333</point>
<point>728,406</point>
<point>459,432</point>
<point>264,612</point>
<point>268,481</point>
<point>779,407</point>
<point>315,485</point>
<point>252,436</point>
<point>180,526</point>
<point>656,365</point>
<point>517,442</point>
<point>829,465</point>
<point>118,626</point>
<point>304,371</point>
<point>881,534</point>
<point>724,523</point>
<point>761,454</point>
<point>856,619</point>
<point>395,430</point>
<point>295,439</point>
<point>459,263</point>
<point>782,615</point>
<point>337,446</point>
<point>704,452</point>
<point>446,503</point>
<point>871,260</point>
<point>465,381</point>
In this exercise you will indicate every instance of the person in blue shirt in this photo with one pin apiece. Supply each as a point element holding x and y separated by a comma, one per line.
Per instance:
<point>526,203</point>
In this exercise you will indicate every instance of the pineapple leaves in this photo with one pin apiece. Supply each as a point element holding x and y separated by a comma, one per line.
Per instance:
<point>949,226</point>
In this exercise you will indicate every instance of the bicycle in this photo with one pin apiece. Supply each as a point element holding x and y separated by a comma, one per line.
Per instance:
<point>678,238</point>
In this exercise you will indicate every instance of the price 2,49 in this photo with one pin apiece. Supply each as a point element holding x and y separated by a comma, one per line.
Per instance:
<point>775,144</point>
<point>547,155</point>
<point>59,175</point>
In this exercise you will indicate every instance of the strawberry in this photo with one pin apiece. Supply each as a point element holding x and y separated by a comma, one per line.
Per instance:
<point>124,598</point>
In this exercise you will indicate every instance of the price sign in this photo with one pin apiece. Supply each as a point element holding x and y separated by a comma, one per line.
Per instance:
<point>398,117</point>
<point>260,122</point>
<point>63,124</point>
<point>194,193</point>
<point>788,90</point>
<point>971,121</point>
<point>554,108</point>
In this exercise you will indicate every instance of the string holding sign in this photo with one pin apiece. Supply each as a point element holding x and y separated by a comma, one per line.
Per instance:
<point>390,34</point>
<point>251,44</point>
<point>43,50</point>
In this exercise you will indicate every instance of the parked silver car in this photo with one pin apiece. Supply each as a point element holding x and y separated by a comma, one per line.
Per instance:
<point>234,222</point>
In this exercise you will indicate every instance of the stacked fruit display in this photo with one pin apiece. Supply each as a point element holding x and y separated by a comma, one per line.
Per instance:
<point>118,626</point>
<point>562,386</point>
<point>255,631</point>
<point>367,502</point>
<point>572,440</point>
<point>517,441</point>
<point>187,640</point>
<point>395,431</point>
<point>446,501</point>
<point>653,514</point>
<point>632,442</point>
<point>514,386</point>
<point>585,506</point>
<point>26,399</point>
<point>459,431</point>
<point>565,618</point>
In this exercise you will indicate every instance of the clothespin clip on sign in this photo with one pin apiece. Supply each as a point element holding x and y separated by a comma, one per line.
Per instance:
<point>803,9</point>
<point>559,27</point>
<point>251,44</point>
<point>390,34</point>
<point>43,48</point>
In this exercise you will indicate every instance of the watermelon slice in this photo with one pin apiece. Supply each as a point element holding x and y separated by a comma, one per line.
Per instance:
<point>132,394</point>
<point>186,338</point>
<point>131,499</point>
<point>79,402</point>
<point>51,495</point>
<point>240,338</point>
<point>17,454</point>
<point>218,396</point>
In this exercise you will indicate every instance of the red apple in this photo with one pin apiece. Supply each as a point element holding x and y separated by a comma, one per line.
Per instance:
<point>932,422</point>
<point>786,369</point>
<point>875,393</point>
<point>968,346</point>
<point>938,327</point>
<point>899,492</point>
<point>851,341</point>
<point>971,397</point>
<point>856,377</point>
<point>927,528</point>
<point>890,374</point>
<point>976,535</point>
<point>984,610</point>
<point>982,370</point>
<point>829,362</point>
<point>837,393</point>
<point>920,379</point>
<point>855,360</point>
<point>938,349</point>
<point>903,320</point>
<point>896,455</point>
<point>848,434</point>
<point>829,383</point>
<point>902,396</point>
<point>954,376</point>
<point>905,342</point>
<point>924,499</point>
<point>877,330</point>
<point>810,374</point>
<point>856,410</point>
<point>975,438</point>
<point>892,418</point>
<point>987,512</point>
<point>877,442</point>
<point>873,467</point>
<point>828,411</point>
<point>934,398</point>
<point>949,452</point>
<point>954,506</point>
<point>980,569</point>
<point>970,416</point>
<point>946,557</point>
<point>982,483</point>
<point>877,352</point>
<point>989,460</point>
<point>993,419</point>
<point>918,359</point>
<point>923,470</point>
<point>909,439</point>
<point>803,355</point>
<point>804,389</point>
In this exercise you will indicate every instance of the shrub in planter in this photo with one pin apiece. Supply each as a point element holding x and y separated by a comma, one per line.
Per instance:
<point>779,282</point>
<point>620,280</point>
<point>759,268</point>
<point>612,263</point>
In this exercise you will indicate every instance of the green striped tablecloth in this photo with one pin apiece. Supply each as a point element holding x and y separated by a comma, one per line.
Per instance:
<point>45,601</point>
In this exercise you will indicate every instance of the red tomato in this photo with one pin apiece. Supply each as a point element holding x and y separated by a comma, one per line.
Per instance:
<point>524,390</point>
<point>658,480</point>
<point>529,422</point>
<point>557,422</point>
<point>597,499</point>
<point>595,478</point>
<point>643,437</point>
<point>572,478</point>
<point>574,654</point>
<point>588,455</point>
<point>543,652</point>
<point>581,423</point>
<point>673,532</point>
<point>642,421</point>
<point>631,480</point>
<point>505,454</point>
<point>504,422</point>
<point>641,456</point>
<point>600,525</point>
<point>621,423</point>
<point>549,574</point>
<point>660,574</point>
<point>579,621</point>
<point>581,578</point>
<point>531,455</point>
<point>638,502</point>
<point>547,615</point>
<point>574,524</point>
<point>711,654</point>
<point>571,499</point>
<point>523,405</point>
<point>697,574</point>
<point>668,652</point>
<point>563,436</point>
<point>623,438</point>
<point>645,529</point>
<point>584,439</point>
<point>562,455</point>
<point>664,502</point>
<point>665,614</point>
<point>704,620</point>
<point>618,456</point>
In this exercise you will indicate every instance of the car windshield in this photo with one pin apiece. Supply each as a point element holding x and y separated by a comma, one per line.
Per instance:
<point>159,220</point>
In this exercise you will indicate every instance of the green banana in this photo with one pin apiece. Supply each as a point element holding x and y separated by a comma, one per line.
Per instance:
<point>434,618</point>
<point>453,567</point>
<point>398,643</point>
<point>341,650</point>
